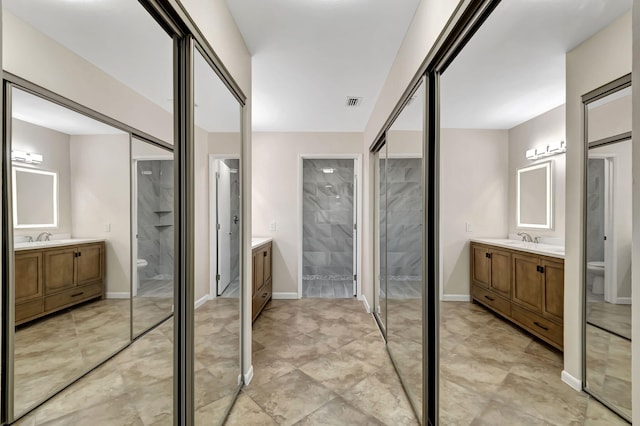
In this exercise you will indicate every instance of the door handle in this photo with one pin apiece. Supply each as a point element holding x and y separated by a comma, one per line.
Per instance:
<point>229,233</point>
<point>540,269</point>
<point>541,326</point>
<point>487,255</point>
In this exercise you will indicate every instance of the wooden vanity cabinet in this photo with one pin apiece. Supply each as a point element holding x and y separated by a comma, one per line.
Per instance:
<point>526,288</point>
<point>47,280</point>
<point>261,280</point>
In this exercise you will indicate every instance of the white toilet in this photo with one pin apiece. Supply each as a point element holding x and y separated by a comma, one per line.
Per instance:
<point>141,264</point>
<point>596,269</point>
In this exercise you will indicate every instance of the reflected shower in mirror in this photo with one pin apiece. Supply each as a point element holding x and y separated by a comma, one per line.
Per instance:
<point>153,230</point>
<point>608,250</point>
<point>71,280</point>
<point>404,255</point>
<point>380,159</point>
<point>217,372</point>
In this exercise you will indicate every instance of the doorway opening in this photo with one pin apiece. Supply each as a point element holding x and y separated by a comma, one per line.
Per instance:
<point>225,212</point>
<point>329,258</point>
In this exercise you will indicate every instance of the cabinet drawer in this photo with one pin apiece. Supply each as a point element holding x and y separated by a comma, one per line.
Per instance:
<point>27,310</point>
<point>491,300</point>
<point>70,297</point>
<point>261,298</point>
<point>539,326</point>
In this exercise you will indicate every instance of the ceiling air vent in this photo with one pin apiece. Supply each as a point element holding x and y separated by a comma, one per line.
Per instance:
<point>353,101</point>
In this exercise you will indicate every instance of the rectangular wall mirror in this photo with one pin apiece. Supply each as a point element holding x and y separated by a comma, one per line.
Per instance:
<point>534,197</point>
<point>36,198</point>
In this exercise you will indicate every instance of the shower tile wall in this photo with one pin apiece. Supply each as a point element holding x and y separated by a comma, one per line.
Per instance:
<point>155,218</point>
<point>595,206</point>
<point>404,226</point>
<point>328,224</point>
<point>234,164</point>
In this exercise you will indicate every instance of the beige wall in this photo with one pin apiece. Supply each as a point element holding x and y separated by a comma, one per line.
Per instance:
<point>541,130</point>
<point>635,250</point>
<point>54,146</point>
<point>276,194</point>
<point>100,195</point>
<point>473,187</point>
<point>599,60</point>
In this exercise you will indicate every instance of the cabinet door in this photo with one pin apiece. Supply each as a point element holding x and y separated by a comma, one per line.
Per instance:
<point>267,263</point>
<point>28,271</point>
<point>59,269</point>
<point>480,265</point>
<point>553,306</point>
<point>501,272</point>
<point>258,271</point>
<point>89,264</point>
<point>527,282</point>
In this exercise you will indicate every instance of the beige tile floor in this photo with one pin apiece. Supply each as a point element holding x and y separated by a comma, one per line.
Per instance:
<point>323,362</point>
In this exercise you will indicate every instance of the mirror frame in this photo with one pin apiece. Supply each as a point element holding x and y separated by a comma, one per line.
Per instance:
<point>14,170</point>
<point>549,189</point>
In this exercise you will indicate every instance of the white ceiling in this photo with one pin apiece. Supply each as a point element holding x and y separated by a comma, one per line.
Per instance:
<point>38,111</point>
<point>513,69</point>
<point>308,56</point>
<point>120,38</point>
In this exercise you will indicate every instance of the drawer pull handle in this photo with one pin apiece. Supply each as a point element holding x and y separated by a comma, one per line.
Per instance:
<point>265,295</point>
<point>489,298</point>
<point>77,294</point>
<point>541,326</point>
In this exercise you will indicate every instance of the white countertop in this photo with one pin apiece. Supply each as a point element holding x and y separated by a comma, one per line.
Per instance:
<point>258,241</point>
<point>543,249</point>
<point>55,243</point>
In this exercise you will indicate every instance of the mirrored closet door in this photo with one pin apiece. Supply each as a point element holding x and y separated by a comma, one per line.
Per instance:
<point>399,256</point>
<point>218,142</point>
<point>608,225</point>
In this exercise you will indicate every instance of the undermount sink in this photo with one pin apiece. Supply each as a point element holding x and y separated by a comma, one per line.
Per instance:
<point>62,241</point>
<point>508,241</point>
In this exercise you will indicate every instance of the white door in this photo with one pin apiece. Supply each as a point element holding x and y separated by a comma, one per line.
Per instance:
<point>223,205</point>
<point>355,234</point>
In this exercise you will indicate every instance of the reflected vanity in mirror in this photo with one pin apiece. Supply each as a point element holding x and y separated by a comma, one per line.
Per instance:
<point>607,345</point>
<point>71,245</point>
<point>534,199</point>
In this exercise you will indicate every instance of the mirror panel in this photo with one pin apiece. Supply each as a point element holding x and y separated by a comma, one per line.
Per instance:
<point>218,141</point>
<point>608,274</point>
<point>71,285</point>
<point>380,159</point>
<point>609,116</point>
<point>153,234</point>
<point>534,206</point>
<point>36,198</point>
<point>404,216</point>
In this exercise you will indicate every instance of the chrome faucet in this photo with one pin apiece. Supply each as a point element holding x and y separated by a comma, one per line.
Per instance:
<point>525,237</point>
<point>43,236</point>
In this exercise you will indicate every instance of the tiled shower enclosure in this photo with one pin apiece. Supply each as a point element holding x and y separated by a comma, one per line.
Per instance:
<point>328,228</point>
<point>155,227</point>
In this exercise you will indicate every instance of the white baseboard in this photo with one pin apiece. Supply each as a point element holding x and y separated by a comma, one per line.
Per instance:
<point>623,301</point>
<point>248,376</point>
<point>117,295</point>
<point>285,296</point>
<point>456,298</point>
<point>366,303</point>
<point>201,301</point>
<point>571,381</point>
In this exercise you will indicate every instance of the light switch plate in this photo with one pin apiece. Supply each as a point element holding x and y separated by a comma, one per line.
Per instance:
<point>273,226</point>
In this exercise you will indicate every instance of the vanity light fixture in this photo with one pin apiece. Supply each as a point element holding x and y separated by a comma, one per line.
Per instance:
<point>554,148</point>
<point>26,157</point>
<point>327,170</point>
